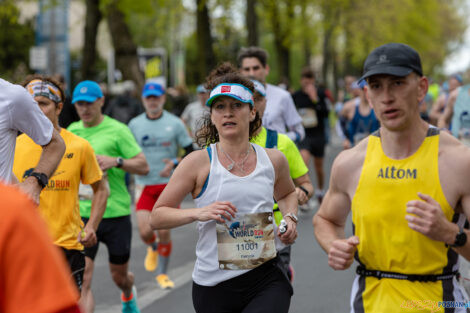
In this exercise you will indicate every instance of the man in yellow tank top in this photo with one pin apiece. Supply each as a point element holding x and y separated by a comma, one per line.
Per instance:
<point>405,186</point>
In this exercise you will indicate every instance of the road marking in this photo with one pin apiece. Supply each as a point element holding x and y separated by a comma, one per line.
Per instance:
<point>149,292</point>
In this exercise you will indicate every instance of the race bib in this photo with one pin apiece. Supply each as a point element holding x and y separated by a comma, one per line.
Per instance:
<point>246,241</point>
<point>309,117</point>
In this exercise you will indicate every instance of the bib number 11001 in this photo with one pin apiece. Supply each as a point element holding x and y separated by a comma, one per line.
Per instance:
<point>247,246</point>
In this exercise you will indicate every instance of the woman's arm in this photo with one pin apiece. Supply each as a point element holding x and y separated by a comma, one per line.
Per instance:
<point>187,177</point>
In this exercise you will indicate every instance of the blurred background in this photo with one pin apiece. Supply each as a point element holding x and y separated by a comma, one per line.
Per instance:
<point>120,43</point>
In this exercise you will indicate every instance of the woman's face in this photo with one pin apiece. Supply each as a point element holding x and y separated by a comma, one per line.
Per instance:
<point>231,117</point>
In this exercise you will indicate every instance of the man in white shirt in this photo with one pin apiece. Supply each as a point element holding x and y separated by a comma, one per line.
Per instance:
<point>280,114</point>
<point>194,111</point>
<point>19,112</point>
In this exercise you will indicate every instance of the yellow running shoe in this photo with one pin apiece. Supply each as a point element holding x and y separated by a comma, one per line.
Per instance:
<point>151,259</point>
<point>164,281</point>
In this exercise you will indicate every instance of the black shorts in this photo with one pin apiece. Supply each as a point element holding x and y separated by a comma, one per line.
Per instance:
<point>261,290</point>
<point>116,234</point>
<point>76,262</point>
<point>314,144</point>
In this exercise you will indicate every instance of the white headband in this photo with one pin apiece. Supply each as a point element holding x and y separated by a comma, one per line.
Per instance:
<point>259,87</point>
<point>235,91</point>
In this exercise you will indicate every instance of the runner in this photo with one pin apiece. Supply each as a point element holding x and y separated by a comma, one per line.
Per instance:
<point>18,112</point>
<point>280,114</point>
<point>78,164</point>
<point>310,100</point>
<point>404,185</point>
<point>438,107</point>
<point>117,153</point>
<point>457,114</point>
<point>34,277</point>
<point>194,112</point>
<point>360,116</point>
<point>161,151</point>
<point>233,183</point>
<point>268,138</point>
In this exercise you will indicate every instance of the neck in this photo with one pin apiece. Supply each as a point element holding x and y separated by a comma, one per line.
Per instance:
<point>404,143</point>
<point>95,122</point>
<point>154,116</point>
<point>236,148</point>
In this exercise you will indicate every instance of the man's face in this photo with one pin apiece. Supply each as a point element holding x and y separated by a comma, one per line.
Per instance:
<point>396,99</point>
<point>260,104</point>
<point>153,105</point>
<point>252,67</point>
<point>453,83</point>
<point>306,82</point>
<point>203,97</point>
<point>50,109</point>
<point>90,112</point>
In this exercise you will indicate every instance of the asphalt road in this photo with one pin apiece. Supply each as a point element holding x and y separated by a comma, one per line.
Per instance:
<point>317,288</point>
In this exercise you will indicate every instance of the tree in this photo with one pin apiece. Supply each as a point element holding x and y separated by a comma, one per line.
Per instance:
<point>92,20</point>
<point>251,23</point>
<point>205,50</point>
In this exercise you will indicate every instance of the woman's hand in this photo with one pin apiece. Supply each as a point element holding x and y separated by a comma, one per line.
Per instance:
<point>290,235</point>
<point>220,211</point>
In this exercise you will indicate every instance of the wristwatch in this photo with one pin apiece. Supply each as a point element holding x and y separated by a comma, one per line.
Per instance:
<point>293,217</point>
<point>41,177</point>
<point>120,162</point>
<point>460,239</point>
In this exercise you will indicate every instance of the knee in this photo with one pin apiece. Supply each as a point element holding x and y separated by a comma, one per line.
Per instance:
<point>121,279</point>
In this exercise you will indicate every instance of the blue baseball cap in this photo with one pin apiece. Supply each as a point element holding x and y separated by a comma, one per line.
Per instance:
<point>153,89</point>
<point>201,89</point>
<point>88,91</point>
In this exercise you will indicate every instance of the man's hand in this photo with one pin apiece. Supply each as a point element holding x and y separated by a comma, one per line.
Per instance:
<point>87,237</point>
<point>30,187</point>
<point>301,196</point>
<point>341,254</point>
<point>166,172</point>
<point>428,219</point>
<point>106,162</point>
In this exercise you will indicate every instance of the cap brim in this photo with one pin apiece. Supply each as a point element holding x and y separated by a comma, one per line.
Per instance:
<point>387,70</point>
<point>84,98</point>
<point>210,100</point>
<point>149,93</point>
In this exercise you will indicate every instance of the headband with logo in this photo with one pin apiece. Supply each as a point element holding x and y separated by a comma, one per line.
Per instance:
<point>235,91</point>
<point>46,89</point>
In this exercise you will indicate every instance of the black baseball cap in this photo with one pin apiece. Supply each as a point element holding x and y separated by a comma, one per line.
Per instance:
<point>395,59</point>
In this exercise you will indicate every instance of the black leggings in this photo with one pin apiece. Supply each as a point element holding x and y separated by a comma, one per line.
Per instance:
<point>262,290</point>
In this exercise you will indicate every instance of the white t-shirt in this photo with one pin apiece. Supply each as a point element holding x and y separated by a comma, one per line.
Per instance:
<point>280,110</point>
<point>193,114</point>
<point>19,112</point>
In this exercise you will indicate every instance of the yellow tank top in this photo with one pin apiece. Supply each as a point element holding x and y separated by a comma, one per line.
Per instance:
<point>386,241</point>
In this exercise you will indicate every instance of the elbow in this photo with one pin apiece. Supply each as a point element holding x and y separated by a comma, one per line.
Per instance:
<point>145,169</point>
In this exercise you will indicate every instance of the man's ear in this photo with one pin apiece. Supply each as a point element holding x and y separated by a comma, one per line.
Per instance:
<point>423,86</point>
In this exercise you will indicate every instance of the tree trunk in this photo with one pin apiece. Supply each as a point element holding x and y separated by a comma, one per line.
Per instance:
<point>206,55</point>
<point>283,53</point>
<point>92,20</point>
<point>251,22</point>
<point>124,47</point>
<point>306,41</point>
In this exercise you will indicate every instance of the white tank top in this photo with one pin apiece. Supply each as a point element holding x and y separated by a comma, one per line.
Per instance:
<point>249,194</point>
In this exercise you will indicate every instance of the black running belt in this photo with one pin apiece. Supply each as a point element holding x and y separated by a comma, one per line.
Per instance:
<point>362,271</point>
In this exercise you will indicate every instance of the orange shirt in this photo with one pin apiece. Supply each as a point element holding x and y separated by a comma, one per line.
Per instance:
<point>33,273</point>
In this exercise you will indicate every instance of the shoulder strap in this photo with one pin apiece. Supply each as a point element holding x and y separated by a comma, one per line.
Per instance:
<point>271,138</point>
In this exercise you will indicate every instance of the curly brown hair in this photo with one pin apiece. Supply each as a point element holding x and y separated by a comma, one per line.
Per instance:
<point>48,79</point>
<point>224,73</point>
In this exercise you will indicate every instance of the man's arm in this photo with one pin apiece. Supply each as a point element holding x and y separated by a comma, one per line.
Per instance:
<point>436,109</point>
<point>98,206</point>
<point>50,158</point>
<point>329,222</point>
<point>446,116</point>
<point>304,188</point>
<point>136,165</point>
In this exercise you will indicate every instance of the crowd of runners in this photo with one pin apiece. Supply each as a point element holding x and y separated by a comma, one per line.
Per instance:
<point>242,151</point>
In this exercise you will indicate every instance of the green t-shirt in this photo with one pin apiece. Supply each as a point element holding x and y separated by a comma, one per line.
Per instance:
<point>297,165</point>
<point>114,139</point>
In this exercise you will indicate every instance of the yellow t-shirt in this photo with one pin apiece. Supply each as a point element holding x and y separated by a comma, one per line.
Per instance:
<point>387,243</point>
<point>59,200</point>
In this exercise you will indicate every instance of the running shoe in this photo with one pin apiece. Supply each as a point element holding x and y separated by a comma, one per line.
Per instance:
<point>164,281</point>
<point>129,305</point>
<point>151,259</point>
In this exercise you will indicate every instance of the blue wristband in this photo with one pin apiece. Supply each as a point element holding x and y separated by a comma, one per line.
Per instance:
<point>175,161</point>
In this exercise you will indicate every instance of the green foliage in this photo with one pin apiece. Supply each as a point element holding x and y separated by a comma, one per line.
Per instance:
<point>15,40</point>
